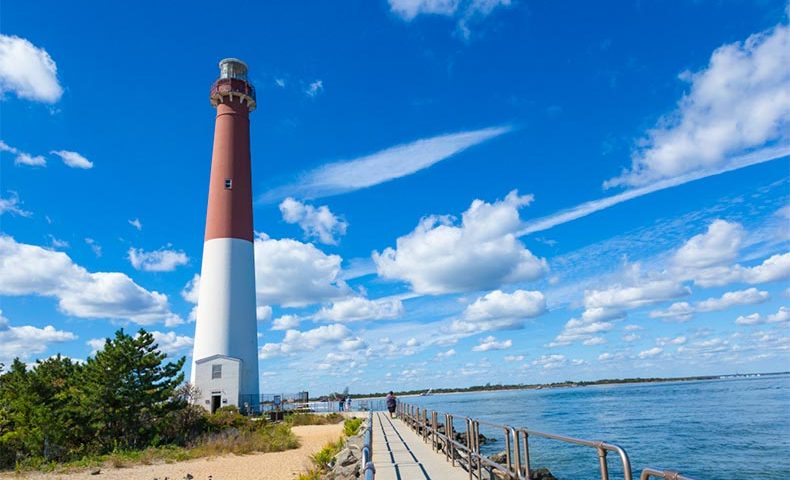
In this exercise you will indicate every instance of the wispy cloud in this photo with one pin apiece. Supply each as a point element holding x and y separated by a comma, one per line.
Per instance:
<point>380,167</point>
<point>587,208</point>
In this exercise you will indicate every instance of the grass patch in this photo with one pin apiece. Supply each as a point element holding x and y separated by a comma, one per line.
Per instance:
<point>351,426</point>
<point>323,458</point>
<point>315,419</point>
<point>267,438</point>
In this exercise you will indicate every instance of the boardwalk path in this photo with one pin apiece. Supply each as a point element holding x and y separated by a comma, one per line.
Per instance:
<point>400,454</point>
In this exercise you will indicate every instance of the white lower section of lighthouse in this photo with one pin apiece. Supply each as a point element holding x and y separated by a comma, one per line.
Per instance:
<point>225,356</point>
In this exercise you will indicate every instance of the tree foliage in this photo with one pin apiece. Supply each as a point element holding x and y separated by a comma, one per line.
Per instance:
<point>125,397</point>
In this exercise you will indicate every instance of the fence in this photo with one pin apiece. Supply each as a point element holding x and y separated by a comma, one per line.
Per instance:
<point>463,448</point>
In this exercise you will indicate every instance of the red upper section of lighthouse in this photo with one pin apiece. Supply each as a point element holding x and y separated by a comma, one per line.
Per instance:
<point>229,213</point>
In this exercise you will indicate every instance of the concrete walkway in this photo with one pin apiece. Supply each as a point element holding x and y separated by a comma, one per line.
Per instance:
<point>400,454</point>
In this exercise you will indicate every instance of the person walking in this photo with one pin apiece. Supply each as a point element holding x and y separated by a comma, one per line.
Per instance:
<point>392,402</point>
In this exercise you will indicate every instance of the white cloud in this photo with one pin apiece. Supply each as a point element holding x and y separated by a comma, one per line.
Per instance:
<point>162,260</point>
<point>359,308</point>
<point>136,223</point>
<point>631,337</point>
<point>382,166</point>
<point>30,160</point>
<point>73,159</point>
<point>481,253</point>
<point>280,82</point>
<point>719,244</point>
<point>26,341</point>
<point>449,353</point>
<point>314,88</point>
<point>292,273</point>
<point>296,341</point>
<point>498,310</point>
<point>588,208</point>
<point>33,270</point>
<point>663,341</point>
<point>12,205</point>
<point>781,316</point>
<point>191,291</point>
<point>95,247</point>
<point>615,301</point>
<point>28,71</point>
<point>464,11</point>
<point>684,311</point>
<point>171,343</point>
<point>576,330</point>
<point>286,322</point>
<point>592,341</point>
<point>550,361</point>
<point>772,269</point>
<point>514,358</point>
<point>263,313</point>
<point>96,344</point>
<point>319,223</point>
<point>491,343</point>
<point>738,103</point>
<point>650,353</point>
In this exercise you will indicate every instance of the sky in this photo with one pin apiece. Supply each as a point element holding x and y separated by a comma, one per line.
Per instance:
<point>446,192</point>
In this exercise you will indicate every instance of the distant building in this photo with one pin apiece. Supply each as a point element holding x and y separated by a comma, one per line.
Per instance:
<point>225,355</point>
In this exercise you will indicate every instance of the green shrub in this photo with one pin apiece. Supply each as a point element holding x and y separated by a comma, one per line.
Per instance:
<point>351,426</point>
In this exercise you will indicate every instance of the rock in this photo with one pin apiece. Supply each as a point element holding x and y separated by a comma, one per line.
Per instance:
<point>541,474</point>
<point>95,471</point>
<point>500,457</point>
<point>189,476</point>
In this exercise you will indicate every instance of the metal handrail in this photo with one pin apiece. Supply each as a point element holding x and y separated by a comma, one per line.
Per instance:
<point>517,462</point>
<point>367,451</point>
<point>666,474</point>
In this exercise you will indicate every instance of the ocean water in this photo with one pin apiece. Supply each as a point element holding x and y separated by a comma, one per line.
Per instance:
<point>716,429</point>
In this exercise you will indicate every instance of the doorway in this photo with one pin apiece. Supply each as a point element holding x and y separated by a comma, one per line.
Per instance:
<point>216,400</point>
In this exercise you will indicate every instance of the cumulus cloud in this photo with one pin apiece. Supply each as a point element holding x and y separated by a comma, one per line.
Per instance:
<point>286,322</point>
<point>781,316</point>
<point>316,222</point>
<point>447,354</point>
<point>481,253</point>
<point>550,361</point>
<point>382,166</point>
<point>514,358</point>
<point>28,71</point>
<point>26,340</point>
<point>650,353</point>
<point>32,270</point>
<point>356,309</point>
<point>12,205</point>
<point>683,311</point>
<point>296,341</point>
<point>773,269</point>
<point>464,11</point>
<point>95,247</point>
<point>191,291</point>
<point>292,273</point>
<point>498,310</point>
<point>719,244</point>
<point>614,301</point>
<point>162,260</point>
<point>263,313</point>
<point>171,343</point>
<point>73,159</point>
<point>30,160</point>
<point>580,330</point>
<point>738,103</point>
<point>491,343</point>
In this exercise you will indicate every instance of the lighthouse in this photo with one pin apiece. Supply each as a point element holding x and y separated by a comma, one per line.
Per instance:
<point>225,355</point>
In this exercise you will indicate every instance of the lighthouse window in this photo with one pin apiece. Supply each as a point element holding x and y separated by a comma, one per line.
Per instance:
<point>228,183</point>
<point>216,371</point>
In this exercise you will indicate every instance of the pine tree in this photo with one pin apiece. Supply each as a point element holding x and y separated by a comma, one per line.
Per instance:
<point>130,390</point>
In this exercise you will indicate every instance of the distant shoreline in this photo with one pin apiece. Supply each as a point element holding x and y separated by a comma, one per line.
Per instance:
<point>566,384</point>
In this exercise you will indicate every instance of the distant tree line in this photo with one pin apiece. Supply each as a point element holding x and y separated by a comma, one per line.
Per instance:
<point>124,397</point>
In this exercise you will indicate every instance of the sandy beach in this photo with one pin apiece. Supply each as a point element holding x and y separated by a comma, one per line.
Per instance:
<point>260,466</point>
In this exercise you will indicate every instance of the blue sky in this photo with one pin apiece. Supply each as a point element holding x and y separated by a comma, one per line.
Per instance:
<point>448,192</point>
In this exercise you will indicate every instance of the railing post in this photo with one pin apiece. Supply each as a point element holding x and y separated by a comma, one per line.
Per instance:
<point>450,431</point>
<point>516,465</point>
<point>602,462</point>
<point>469,446</point>
<point>477,451</point>
<point>526,454</point>
<point>434,425</point>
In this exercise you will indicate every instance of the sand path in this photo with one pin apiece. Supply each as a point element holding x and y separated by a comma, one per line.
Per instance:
<point>260,466</point>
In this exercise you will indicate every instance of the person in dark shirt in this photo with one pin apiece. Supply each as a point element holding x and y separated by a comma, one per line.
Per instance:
<point>391,403</point>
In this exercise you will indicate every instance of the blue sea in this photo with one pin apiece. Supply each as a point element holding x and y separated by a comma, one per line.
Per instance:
<point>733,428</point>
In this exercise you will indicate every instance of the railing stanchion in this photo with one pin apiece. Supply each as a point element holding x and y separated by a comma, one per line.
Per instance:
<point>516,465</point>
<point>526,455</point>
<point>602,462</point>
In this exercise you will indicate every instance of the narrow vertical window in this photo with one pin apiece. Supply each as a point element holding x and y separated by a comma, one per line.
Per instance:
<point>228,184</point>
<point>216,371</point>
